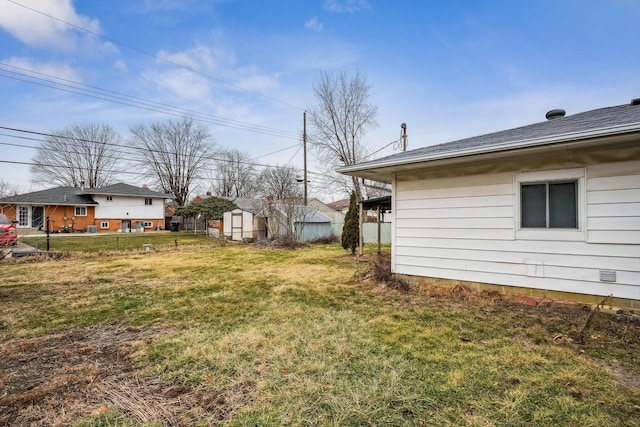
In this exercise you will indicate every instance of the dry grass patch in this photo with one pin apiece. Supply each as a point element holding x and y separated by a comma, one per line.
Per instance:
<point>237,335</point>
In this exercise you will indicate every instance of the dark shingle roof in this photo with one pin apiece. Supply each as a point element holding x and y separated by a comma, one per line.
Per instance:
<point>53,196</point>
<point>122,189</point>
<point>77,196</point>
<point>557,129</point>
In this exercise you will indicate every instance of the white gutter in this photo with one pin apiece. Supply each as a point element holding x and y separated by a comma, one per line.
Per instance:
<point>525,143</point>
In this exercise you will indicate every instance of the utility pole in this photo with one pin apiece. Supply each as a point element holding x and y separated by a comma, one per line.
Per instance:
<point>304,142</point>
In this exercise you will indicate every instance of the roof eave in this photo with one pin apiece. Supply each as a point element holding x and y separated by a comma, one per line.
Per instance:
<point>370,167</point>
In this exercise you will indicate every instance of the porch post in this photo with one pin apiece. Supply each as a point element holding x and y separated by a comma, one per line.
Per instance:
<point>360,232</point>
<point>379,230</point>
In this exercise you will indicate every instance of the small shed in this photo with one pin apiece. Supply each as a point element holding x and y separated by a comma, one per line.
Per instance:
<point>312,225</point>
<point>244,223</point>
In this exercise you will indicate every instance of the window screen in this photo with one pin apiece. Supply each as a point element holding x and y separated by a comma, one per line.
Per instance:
<point>549,205</point>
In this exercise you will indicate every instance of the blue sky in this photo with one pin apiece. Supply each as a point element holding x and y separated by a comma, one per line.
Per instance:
<point>447,69</point>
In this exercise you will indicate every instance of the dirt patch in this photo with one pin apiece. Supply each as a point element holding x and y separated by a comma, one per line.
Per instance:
<point>70,376</point>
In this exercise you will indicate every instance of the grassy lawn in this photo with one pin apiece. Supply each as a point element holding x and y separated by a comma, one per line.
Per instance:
<point>241,336</point>
<point>115,242</point>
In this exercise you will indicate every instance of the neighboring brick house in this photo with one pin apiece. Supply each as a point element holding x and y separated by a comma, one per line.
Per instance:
<point>117,207</point>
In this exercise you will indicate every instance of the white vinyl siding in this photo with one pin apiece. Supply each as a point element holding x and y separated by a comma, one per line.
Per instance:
<point>613,203</point>
<point>467,228</point>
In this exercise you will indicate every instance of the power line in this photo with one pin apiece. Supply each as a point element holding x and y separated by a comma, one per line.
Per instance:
<point>146,104</point>
<point>160,58</point>
<point>128,147</point>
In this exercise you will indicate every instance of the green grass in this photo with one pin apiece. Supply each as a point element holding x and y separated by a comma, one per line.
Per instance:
<point>292,338</point>
<point>116,242</point>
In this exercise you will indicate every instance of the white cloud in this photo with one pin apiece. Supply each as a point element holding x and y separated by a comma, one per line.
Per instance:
<point>314,25</point>
<point>216,68</point>
<point>258,82</point>
<point>34,23</point>
<point>198,58</point>
<point>120,65</point>
<point>181,83</point>
<point>348,6</point>
<point>43,69</point>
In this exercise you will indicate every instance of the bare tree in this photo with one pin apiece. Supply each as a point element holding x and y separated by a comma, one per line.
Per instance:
<point>232,174</point>
<point>341,119</point>
<point>283,202</point>
<point>281,183</point>
<point>6,189</point>
<point>173,153</point>
<point>79,155</point>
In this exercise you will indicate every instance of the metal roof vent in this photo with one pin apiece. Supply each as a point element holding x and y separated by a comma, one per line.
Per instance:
<point>635,101</point>
<point>555,114</point>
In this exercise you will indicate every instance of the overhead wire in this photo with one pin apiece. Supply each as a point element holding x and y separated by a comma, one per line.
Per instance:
<point>213,157</point>
<point>157,57</point>
<point>138,102</point>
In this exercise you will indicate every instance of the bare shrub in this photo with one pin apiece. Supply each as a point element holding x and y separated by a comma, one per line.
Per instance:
<point>282,242</point>
<point>326,240</point>
<point>380,270</point>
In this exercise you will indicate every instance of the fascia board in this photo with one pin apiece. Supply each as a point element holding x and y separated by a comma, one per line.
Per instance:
<point>525,143</point>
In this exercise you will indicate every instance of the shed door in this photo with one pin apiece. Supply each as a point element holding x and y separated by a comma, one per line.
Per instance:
<point>236,226</point>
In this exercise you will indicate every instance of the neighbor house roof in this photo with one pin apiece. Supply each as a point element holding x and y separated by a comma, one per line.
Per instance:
<point>339,205</point>
<point>53,196</point>
<point>309,214</point>
<point>122,189</point>
<point>77,196</point>
<point>603,122</point>
<point>245,203</point>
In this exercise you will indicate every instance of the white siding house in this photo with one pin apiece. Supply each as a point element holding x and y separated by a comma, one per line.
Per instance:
<point>551,209</point>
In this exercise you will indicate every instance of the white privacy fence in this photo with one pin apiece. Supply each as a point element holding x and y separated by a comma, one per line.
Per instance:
<point>370,230</point>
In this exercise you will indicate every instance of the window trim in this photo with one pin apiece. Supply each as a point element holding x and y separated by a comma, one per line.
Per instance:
<point>147,224</point>
<point>103,226</point>
<point>547,206</point>
<point>148,201</point>
<point>109,198</point>
<point>75,211</point>
<point>576,175</point>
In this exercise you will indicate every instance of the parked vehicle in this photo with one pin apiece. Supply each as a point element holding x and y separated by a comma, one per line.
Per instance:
<point>8,232</point>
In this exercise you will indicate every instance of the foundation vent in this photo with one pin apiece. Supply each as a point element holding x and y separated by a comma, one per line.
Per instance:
<point>607,276</point>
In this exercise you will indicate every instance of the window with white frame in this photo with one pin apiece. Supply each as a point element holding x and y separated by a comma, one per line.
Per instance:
<point>148,201</point>
<point>104,224</point>
<point>81,211</point>
<point>147,224</point>
<point>24,216</point>
<point>550,204</point>
<point>109,198</point>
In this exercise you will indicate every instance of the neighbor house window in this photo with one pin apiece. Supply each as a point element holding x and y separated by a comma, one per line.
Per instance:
<point>551,204</point>
<point>109,198</point>
<point>104,224</point>
<point>148,201</point>
<point>23,216</point>
<point>81,211</point>
<point>147,224</point>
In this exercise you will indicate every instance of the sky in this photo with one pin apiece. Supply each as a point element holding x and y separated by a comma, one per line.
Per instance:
<point>246,68</point>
